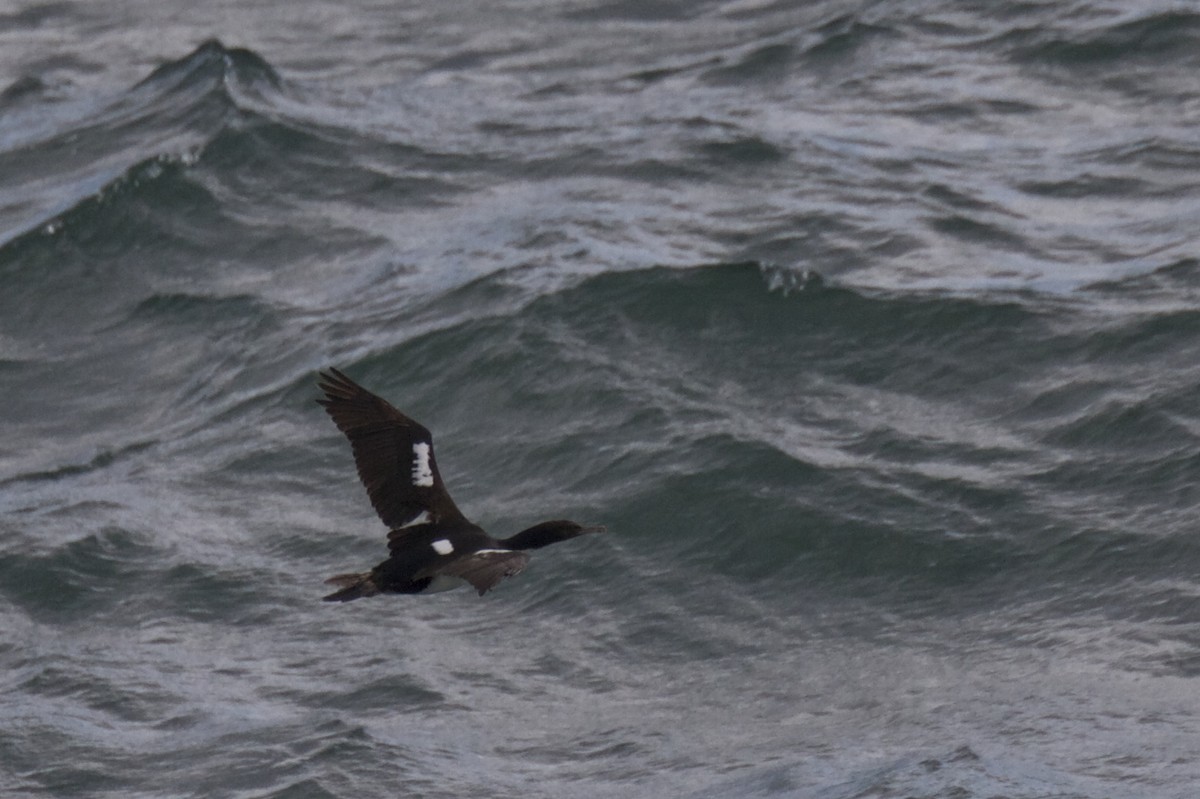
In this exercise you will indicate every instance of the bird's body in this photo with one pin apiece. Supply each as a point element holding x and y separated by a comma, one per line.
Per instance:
<point>433,546</point>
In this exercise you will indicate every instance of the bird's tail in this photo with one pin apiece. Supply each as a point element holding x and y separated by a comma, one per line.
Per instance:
<point>352,586</point>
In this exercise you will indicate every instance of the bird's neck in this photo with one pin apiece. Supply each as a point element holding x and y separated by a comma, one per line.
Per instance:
<point>538,536</point>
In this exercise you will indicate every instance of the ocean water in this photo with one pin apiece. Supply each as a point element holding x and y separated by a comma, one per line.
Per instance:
<point>871,330</point>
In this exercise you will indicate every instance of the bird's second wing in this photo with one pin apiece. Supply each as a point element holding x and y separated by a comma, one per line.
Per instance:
<point>394,453</point>
<point>485,568</point>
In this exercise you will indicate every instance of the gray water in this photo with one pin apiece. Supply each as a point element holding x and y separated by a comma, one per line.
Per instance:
<point>870,330</point>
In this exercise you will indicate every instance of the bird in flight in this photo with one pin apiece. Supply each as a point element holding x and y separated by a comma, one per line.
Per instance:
<point>432,546</point>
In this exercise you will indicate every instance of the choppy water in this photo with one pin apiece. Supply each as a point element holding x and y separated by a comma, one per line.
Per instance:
<point>871,331</point>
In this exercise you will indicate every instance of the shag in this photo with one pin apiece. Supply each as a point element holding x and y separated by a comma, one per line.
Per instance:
<point>433,546</point>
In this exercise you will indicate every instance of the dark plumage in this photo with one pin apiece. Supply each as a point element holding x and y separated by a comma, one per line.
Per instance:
<point>433,546</point>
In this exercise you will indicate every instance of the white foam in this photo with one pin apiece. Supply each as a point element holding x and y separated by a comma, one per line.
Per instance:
<point>422,475</point>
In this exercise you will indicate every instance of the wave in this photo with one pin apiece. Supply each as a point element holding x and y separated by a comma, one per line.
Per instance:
<point>1168,36</point>
<point>166,120</point>
<point>881,439</point>
<point>212,64</point>
<point>813,48</point>
<point>82,577</point>
<point>959,772</point>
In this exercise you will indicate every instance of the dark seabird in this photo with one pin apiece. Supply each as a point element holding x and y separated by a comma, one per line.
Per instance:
<point>433,546</point>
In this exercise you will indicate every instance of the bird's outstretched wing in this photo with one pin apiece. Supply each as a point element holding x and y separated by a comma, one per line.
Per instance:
<point>483,569</point>
<point>394,454</point>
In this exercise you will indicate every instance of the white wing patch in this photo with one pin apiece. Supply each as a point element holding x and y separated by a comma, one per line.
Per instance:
<point>443,546</point>
<point>491,551</point>
<point>422,475</point>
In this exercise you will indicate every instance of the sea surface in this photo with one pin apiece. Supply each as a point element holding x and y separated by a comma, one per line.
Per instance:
<point>871,330</point>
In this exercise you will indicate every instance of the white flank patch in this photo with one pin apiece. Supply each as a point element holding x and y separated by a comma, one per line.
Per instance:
<point>422,475</point>
<point>422,518</point>
<point>443,547</point>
